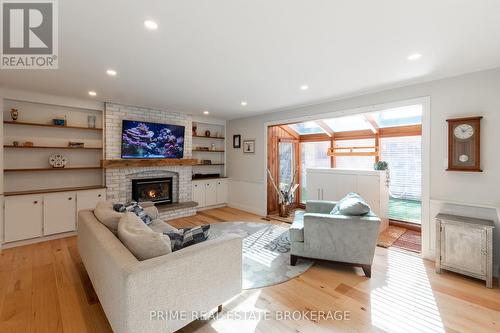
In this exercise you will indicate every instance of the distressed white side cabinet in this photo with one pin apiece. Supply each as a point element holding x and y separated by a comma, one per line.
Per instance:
<point>465,245</point>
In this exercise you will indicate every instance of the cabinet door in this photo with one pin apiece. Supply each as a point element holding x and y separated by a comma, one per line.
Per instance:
<point>89,199</point>
<point>463,247</point>
<point>368,187</point>
<point>313,186</point>
<point>336,186</point>
<point>59,213</point>
<point>23,217</point>
<point>221,191</point>
<point>199,193</point>
<point>210,193</point>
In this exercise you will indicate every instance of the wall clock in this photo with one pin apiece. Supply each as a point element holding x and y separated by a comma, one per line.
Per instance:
<point>464,144</point>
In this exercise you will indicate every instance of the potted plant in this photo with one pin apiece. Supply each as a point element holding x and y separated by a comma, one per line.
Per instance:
<point>286,194</point>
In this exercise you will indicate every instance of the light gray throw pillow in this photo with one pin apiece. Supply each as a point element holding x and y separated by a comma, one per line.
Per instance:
<point>141,240</point>
<point>105,213</point>
<point>351,205</point>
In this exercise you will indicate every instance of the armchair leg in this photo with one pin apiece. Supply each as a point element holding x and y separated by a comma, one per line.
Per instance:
<point>219,308</point>
<point>293,260</point>
<point>367,269</point>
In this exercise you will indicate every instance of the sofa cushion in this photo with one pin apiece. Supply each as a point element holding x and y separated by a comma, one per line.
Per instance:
<point>105,213</point>
<point>135,208</point>
<point>161,226</point>
<point>296,231</point>
<point>140,240</point>
<point>188,236</point>
<point>351,205</point>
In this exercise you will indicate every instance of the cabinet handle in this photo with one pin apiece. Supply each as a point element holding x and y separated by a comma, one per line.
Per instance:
<point>319,197</point>
<point>70,198</point>
<point>35,202</point>
<point>100,195</point>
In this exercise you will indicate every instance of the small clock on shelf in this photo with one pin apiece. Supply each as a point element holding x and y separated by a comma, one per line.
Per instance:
<point>464,144</point>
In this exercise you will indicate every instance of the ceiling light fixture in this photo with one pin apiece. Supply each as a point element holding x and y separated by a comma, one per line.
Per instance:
<point>92,93</point>
<point>304,87</point>
<point>111,72</point>
<point>151,25</point>
<point>206,112</point>
<point>414,56</point>
<point>244,103</point>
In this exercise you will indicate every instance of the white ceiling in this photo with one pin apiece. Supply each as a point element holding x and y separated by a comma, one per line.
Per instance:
<point>213,54</point>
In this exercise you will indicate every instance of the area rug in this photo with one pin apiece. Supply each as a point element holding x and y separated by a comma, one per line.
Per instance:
<point>411,240</point>
<point>266,252</point>
<point>389,236</point>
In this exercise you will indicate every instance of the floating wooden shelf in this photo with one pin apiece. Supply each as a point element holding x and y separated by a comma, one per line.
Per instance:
<point>50,125</point>
<point>55,190</point>
<point>52,169</point>
<point>209,151</point>
<point>50,147</point>
<point>209,164</point>
<point>133,163</point>
<point>208,137</point>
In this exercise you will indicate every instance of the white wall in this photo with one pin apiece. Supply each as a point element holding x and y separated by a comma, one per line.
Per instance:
<point>471,94</point>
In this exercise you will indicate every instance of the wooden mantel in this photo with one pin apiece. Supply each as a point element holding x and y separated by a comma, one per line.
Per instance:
<point>138,163</point>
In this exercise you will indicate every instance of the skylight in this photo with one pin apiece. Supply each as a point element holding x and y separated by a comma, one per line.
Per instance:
<point>309,127</point>
<point>350,123</point>
<point>402,116</point>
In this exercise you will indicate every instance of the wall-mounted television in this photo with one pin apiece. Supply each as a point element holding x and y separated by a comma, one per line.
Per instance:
<point>141,139</point>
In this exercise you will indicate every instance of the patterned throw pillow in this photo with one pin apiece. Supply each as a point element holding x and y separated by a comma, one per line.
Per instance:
<point>188,236</point>
<point>135,208</point>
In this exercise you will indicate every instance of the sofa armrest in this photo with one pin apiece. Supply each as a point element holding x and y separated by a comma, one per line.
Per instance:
<point>320,206</point>
<point>189,281</point>
<point>150,209</point>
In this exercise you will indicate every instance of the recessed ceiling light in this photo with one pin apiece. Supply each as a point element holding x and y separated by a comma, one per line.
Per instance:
<point>92,93</point>
<point>206,112</point>
<point>304,87</point>
<point>151,25</point>
<point>244,103</point>
<point>111,72</point>
<point>415,56</point>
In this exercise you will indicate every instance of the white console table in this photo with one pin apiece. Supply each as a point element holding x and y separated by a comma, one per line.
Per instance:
<point>465,245</point>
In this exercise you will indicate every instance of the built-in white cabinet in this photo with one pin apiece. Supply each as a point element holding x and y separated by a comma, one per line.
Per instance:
<point>23,217</point>
<point>32,216</point>
<point>334,184</point>
<point>59,213</point>
<point>210,192</point>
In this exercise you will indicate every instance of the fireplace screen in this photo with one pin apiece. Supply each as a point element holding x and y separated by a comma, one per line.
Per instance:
<point>157,190</point>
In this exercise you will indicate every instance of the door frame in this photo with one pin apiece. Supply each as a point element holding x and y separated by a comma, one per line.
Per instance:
<point>428,244</point>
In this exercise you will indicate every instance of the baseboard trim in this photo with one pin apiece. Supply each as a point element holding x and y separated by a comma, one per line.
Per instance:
<point>210,207</point>
<point>38,240</point>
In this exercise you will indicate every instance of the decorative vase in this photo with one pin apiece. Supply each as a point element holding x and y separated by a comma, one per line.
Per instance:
<point>283,210</point>
<point>14,114</point>
<point>58,161</point>
<point>91,121</point>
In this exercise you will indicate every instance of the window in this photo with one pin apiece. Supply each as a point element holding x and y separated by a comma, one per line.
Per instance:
<point>313,155</point>
<point>402,116</point>
<point>404,155</point>
<point>355,162</point>
<point>309,127</point>
<point>287,162</point>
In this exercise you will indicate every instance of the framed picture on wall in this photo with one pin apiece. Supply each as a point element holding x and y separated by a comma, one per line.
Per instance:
<point>237,141</point>
<point>249,146</point>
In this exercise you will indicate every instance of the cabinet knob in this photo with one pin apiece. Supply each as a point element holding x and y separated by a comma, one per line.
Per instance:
<point>100,195</point>
<point>70,198</point>
<point>35,202</point>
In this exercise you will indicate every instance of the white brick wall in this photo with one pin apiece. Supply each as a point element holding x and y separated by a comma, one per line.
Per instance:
<point>118,181</point>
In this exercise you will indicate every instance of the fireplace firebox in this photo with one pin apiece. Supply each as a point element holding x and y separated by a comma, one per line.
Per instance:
<point>157,190</point>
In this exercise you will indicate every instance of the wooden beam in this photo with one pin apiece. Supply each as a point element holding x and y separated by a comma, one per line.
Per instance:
<point>411,130</point>
<point>314,137</point>
<point>290,131</point>
<point>372,122</point>
<point>324,126</point>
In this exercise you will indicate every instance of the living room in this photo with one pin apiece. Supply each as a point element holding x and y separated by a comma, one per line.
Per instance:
<point>266,166</point>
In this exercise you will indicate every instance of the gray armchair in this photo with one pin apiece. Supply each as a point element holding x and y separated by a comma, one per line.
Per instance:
<point>318,234</point>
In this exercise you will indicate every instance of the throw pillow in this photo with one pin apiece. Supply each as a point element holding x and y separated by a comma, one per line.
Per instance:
<point>188,236</point>
<point>106,215</point>
<point>135,208</point>
<point>140,240</point>
<point>351,205</point>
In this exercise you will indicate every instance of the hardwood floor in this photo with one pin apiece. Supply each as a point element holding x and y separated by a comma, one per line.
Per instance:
<point>44,288</point>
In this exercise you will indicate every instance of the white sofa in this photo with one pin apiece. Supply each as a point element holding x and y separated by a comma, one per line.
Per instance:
<point>161,294</point>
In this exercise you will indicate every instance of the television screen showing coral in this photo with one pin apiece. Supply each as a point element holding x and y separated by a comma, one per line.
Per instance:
<point>151,140</point>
